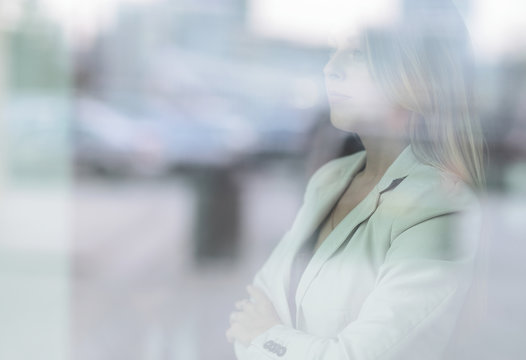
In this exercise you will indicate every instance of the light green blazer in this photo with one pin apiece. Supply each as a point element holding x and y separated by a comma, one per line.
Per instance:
<point>389,280</point>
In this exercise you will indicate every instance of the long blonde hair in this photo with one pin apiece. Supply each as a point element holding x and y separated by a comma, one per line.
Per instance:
<point>424,63</point>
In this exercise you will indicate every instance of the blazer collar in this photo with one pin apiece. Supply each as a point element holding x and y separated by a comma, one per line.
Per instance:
<point>352,164</point>
<point>400,168</point>
<point>324,200</point>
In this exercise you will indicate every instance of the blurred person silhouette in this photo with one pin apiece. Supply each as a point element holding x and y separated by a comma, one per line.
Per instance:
<point>374,265</point>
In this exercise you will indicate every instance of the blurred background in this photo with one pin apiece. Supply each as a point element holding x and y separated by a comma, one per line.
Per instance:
<point>153,153</point>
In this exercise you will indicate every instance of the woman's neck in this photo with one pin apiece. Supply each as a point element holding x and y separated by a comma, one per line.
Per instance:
<point>380,154</point>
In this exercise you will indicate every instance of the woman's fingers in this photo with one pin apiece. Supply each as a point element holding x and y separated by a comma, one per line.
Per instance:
<point>238,332</point>
<point>234,317</point>
<point>232,333</point>
<point>253,316</point>
<point>228,334</point>
<point>257,293</point>
<point>242,304</point>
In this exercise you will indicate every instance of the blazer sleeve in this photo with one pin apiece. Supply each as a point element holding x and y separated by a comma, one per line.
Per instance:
<point>262,278</point>
<point>263,281</point>
<point>412,311</point>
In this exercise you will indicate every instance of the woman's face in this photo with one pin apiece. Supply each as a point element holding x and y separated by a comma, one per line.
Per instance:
<point>357,103</point>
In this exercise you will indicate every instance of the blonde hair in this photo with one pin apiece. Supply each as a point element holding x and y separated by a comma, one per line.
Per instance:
<point>423,62</point>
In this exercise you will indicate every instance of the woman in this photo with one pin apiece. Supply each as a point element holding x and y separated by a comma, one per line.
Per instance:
<point>372,267</point>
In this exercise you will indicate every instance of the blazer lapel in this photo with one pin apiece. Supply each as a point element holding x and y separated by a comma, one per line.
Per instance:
<point>341,232</point>
<point>328,195</point>
<point>318,205</point>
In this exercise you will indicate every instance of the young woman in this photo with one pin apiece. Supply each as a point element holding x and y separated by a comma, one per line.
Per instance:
<point>373,267</point>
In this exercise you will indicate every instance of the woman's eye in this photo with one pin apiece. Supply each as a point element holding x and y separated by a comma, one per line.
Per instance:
<point>354,55</point>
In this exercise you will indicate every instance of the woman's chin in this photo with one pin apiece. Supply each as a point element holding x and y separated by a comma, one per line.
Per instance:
<point>360,124</point>
<point>345,122</point>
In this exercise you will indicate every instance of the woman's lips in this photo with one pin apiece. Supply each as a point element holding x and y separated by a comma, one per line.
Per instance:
<point>335,97</point>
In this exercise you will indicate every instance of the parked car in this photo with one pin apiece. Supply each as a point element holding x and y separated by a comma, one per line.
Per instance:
<point>105,140</point>
<point>156,141</point>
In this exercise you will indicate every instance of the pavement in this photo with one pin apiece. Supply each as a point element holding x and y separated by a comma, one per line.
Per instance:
<point>138,291</point>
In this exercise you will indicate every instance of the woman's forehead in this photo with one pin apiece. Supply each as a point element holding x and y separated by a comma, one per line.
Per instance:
<point>345,38</point>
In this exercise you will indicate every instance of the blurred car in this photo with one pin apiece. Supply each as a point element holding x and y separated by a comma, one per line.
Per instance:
<point>157,140</point>
<point>279,107</point>
<point>107,141</point>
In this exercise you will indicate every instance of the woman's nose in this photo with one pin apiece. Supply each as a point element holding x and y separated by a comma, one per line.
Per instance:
<point>332,71</point>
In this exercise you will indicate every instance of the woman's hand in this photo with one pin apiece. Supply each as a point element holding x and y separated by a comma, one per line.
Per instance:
<point>253,318</point>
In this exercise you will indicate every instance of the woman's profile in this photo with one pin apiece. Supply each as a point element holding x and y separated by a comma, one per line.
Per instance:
<point>373,267</point>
